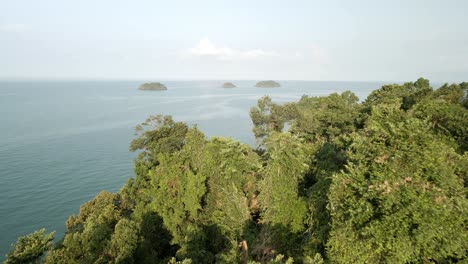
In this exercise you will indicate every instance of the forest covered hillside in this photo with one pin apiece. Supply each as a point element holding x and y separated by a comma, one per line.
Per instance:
<point>378,181</point>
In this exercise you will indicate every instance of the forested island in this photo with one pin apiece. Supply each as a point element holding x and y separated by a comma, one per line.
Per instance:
<point>229,85</point>
<point>152,86</point>
<point>378,181</point>
<point>267,84</point>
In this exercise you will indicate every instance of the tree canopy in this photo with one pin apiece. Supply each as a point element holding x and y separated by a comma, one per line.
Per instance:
<point>333,180</point>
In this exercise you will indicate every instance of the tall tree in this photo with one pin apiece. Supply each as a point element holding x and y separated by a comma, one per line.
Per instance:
<point>268,117</point>
<point>279,188</point>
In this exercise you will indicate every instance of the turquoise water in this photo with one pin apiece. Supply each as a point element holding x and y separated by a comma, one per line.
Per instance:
<point>63,142</point>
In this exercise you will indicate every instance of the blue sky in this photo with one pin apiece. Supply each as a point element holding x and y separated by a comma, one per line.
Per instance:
<point>293,40</point>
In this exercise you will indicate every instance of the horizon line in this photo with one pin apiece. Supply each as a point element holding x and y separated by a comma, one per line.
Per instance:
<point>51,79</point>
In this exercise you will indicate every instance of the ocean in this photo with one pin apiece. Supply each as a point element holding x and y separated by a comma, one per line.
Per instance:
<point>62,142</point>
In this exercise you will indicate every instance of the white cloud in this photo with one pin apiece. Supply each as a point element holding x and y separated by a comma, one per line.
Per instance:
<point>206,48</point>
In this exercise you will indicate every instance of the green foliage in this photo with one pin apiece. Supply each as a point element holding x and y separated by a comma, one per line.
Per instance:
<point>159,134</point>
<point>405,95</point>
<point>231,170</point>
<point>30,248</point>
<point>268,117</point>
<point>185,261</point>
<point>324,118</point>
<point>453,93</point>
<point>89,234</point>
<point>154,244</point>
<point>177,188</point>
<point>328,159</point>
<point>279,198</point>
<point>447,119</point>
<point>123,242</point>
<point>464,87</point>
<point>383,181</point>
<point>279,259</point>
<point>400,198</point>
<point>317,259</point>
<point>210,185</point>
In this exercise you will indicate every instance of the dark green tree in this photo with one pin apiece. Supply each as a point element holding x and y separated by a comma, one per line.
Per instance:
<point>278,211</point>
<point>406,94</point>
<point>158,134</point>
<point>279,187</point>
<point>453,93</point>
<point>324,118</point>
<point>446,118</point>
<point>268,117</point>
<point>123,242</point>
<point>30,248</point>
<point>401,197</point>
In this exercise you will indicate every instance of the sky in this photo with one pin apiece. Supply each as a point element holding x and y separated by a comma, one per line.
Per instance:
<point>362,40</point>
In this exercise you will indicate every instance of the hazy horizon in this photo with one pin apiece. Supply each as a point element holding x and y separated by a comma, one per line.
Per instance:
<point>149,79</point>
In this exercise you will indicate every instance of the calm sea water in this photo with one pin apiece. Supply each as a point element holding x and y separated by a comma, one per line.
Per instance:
<point>61,143</point>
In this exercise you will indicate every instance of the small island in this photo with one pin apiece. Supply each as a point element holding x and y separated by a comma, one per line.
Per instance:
<point>267,84</point>
<point>229,85</point>
<point>153,86</point>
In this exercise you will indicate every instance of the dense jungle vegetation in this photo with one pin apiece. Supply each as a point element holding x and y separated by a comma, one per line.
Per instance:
<point>333,180</point>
